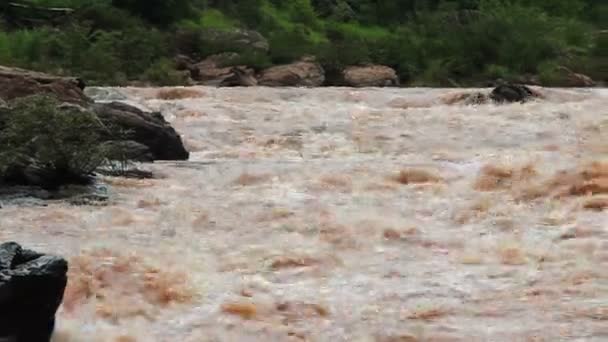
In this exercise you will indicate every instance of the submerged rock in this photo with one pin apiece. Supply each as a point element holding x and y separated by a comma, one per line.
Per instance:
<point>31,290</point>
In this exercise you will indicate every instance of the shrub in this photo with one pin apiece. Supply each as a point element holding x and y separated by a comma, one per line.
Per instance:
<point>45,143</point>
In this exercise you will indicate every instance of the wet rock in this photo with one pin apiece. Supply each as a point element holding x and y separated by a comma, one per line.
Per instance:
<point>370,76</point>
<point>16,83</point>
<point>129,150</point>
<point>501,94</point>
<point>145,128</point>
<point>31,289</point>
<point>23,196</point>
<point>509,93</point>
<point>304,73</point>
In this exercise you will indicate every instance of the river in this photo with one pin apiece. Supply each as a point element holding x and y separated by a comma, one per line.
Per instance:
<point>337,214</point>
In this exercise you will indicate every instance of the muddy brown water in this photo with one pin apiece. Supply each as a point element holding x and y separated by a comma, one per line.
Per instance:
<point>291,222</point>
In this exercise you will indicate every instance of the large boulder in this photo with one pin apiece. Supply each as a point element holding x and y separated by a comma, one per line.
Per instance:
<point>575,80</point>
<point>215,71</point>
<point>370,76</point>
<point>15,82</point>
<point>31,290</point>
<point>145,128</point>
<point>303,73</point>
<point>509,93</point>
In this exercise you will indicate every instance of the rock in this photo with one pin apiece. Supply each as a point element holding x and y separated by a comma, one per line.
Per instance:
<point>214,72</point>
<point>575,80</point>
<point>508,93</point>
<point>503,93</point>
<point>370,76</point>
<point>183,62</point>
<point>129,150</point>
<point>304,73</point>
<point>235,40</point>
<point>16,83</point>
<point>148,129</point>
<point>31,289</point>
<point>241,77</point>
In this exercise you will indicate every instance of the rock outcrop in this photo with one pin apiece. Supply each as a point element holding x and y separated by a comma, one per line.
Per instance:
<point>16,83</point>
<point>147,129</point>
<point>31,290</point>
<point>303,73</point>
<point>370,76</point>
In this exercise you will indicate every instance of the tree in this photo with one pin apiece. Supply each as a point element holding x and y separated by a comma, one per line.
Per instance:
<point>158,12</point>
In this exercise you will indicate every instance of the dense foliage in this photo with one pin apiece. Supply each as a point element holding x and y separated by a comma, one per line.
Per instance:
<point>430,42</point>
<point>45,143</point>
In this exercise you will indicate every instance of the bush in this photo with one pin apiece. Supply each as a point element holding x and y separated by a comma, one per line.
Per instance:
<point>43,143</point>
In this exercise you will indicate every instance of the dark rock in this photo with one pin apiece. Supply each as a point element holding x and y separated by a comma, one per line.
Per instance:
<point>31,290</point>
<point>146,128</point>
<point>16,83</point>
<point>183,62</point>
<point>129,150</point>
<point>503,93</point>
<point>509,93</point>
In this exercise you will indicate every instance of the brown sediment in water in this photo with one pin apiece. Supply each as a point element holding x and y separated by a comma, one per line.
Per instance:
<point>344,214</point>
<point>179,94</point>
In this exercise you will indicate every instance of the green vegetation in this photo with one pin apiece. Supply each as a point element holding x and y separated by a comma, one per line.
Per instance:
<point>46,144</point>
<point>429,42</point>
